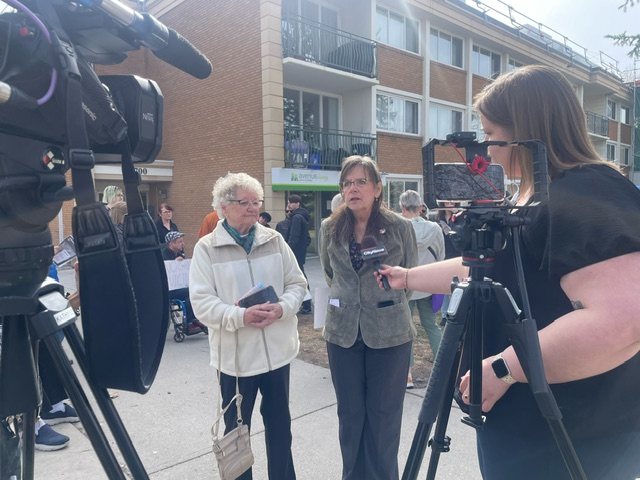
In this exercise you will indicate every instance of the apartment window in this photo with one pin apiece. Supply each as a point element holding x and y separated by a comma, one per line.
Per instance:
<point>611,109</point>
<point>485,62</point>
<point>611,152</point>
<point>443,120</point>
<point>513,65</point>
<point>445,48</point>
<point>625,115</point>
<point>396,30</point>
<point>396,114</point>
<point>396,187</point>
<point>625,155</point>
<point>476,126</point>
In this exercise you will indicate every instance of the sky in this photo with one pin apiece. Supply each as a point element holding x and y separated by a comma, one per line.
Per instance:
<point>584,22</point>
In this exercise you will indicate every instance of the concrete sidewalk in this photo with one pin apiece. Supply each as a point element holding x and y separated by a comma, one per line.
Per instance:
<point>170,425</point>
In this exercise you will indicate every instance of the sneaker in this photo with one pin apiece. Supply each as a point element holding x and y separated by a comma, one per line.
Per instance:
<point>68,416</point>
<point>410,382</point>
<point>47,439</point>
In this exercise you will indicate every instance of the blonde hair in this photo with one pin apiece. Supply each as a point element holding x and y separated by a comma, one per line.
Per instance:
<point>118,212</point>
<point>538,102</point>
<point>110,193</point>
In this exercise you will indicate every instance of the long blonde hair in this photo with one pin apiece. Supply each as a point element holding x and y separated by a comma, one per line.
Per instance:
<point>537,102</point>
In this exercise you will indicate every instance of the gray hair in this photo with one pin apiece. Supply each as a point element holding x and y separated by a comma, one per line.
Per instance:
<point>336,201</point>
<point>226,187</point>
<point>411,201</point>
<point>110,193</point>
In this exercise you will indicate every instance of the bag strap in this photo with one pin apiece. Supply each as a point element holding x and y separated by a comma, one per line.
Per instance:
<point>237,397</point>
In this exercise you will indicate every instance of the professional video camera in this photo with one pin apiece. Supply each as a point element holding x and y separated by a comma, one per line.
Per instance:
<point>55,112</point>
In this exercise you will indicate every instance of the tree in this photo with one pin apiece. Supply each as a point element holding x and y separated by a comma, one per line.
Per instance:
<point>624,40</point>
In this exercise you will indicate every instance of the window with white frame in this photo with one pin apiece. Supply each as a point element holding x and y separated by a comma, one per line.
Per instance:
<point>513,65</point>
<point>445,48</point>
<point>443,120</point>
<point>395,30</point>
<point>397,114</point>
<point>611,109</point>
<point>485,62</point>
<point>611,152</point>
<point>476,126</point>
<point>396,186</point>
<point>625,115</point>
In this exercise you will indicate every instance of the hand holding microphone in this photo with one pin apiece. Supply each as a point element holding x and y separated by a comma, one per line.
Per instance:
<point>372,252</point>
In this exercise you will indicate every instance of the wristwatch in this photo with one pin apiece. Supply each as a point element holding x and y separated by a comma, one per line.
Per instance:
<point>501,369</point>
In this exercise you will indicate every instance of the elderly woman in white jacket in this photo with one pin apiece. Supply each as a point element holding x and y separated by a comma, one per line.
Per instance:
<point>227,263</point>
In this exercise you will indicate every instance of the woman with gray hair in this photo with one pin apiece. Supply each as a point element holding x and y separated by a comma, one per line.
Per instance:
<point>258,343</point>
<point>430,249</point>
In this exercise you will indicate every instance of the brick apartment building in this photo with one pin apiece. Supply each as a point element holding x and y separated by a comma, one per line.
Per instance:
<point>299,84</point>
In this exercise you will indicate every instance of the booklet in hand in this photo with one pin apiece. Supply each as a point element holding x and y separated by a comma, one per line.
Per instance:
<point>263,295</point>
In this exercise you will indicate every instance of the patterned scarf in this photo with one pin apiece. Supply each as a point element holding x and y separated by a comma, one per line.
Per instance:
<point>246,241</point>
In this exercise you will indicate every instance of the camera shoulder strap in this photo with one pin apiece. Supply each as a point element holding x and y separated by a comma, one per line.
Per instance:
<point>124,315</point>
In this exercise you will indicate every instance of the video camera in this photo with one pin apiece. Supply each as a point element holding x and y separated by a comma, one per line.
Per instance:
<point>476,181</point>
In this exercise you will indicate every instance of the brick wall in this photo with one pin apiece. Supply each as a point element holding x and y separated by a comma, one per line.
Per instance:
<point>399,154</point>
<point>447,83</point>
<point>399,69</point>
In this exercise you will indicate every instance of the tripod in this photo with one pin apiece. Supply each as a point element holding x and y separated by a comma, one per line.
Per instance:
<point>51,314</point>
<point>484,229</point>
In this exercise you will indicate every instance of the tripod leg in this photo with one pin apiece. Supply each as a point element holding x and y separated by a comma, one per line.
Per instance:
<point>437,398</point>
<point>106,406</point>
<point>80,402</point>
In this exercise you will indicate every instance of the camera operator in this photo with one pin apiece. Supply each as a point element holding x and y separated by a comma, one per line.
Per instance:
<point>580,255</point>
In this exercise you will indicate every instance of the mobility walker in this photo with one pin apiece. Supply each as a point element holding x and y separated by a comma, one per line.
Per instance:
<point>183,326</point>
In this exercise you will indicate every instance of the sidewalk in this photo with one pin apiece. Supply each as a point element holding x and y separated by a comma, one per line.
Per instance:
<point>170,425</point>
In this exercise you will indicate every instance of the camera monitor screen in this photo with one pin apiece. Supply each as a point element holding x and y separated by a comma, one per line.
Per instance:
<point>454,182</point>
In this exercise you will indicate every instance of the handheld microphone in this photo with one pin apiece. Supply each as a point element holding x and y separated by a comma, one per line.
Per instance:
<point>370,250</point>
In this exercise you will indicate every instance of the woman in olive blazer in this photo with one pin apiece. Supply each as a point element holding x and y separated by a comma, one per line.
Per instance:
<point>368,331</point>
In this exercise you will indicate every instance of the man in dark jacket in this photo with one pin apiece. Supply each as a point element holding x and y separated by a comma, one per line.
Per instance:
<point>298,238</point>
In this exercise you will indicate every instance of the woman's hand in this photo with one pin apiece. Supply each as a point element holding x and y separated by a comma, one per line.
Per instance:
<point>492,387</point>
<point>396,276</point>
<point>263,315</point>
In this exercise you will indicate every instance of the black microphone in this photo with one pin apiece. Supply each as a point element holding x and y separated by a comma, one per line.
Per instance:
<point>370,250</point>
<point>164,42</point>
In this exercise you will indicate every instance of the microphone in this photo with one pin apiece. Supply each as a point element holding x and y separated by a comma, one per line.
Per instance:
<point>370,250</point>
<point>164,42</point>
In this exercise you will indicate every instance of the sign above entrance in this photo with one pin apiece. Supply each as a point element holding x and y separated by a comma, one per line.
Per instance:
<point>158,171</point>
<point>293,179</point>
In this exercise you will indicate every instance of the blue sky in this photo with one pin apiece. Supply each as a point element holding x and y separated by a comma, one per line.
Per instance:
<point>584,22</point>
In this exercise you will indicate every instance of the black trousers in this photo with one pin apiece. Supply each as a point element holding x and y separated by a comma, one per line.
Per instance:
<point>274,408</point>
<point>52,388</point>
<point>370,385</point>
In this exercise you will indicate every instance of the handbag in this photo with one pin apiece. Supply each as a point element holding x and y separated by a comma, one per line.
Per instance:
<point>233,451</point>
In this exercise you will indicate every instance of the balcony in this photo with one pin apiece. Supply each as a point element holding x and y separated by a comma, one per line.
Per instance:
<point>313,44</point>
<point>325,149</point>
<point>597,124</point>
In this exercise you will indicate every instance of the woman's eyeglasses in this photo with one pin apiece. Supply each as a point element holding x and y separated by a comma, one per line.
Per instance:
<point>246,203</point>
<point>360,182</point>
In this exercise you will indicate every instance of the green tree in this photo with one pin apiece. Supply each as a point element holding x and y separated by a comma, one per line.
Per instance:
<point>625,40</point>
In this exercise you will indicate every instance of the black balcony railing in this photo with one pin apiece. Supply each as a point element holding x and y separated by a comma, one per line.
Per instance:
<point>325,149</point>
<point>597,124</point>
<point>314,42</point>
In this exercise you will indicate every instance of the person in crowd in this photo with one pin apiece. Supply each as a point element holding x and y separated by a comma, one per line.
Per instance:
<point>164,224</point>
<point>117,213</point>
<point>430,249</point>
<point>264,218</point>
<point>299,239</point>
<point>580,252</point>
<point>282,227</point>
<point>173,249</point>
<point>208,224</point>
<point>424,211</point>
<point>262,339</point>
<point>336,201</point>
<point>368,332</point>
<point>112,195</point>
<point>445,219</point>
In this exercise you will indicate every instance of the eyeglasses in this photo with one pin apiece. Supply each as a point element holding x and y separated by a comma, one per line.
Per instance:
<point>360,182</point>
<point>287,211</point>
<point>246,203</point>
